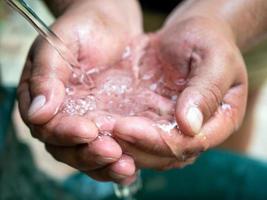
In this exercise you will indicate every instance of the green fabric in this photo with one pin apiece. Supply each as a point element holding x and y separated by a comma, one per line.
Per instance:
<point>216,175</point>
<point>7,98</point>
<point>21,180</point>
<point>19,177</point>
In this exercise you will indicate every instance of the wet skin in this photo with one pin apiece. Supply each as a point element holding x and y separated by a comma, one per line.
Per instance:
<point>215,86</point>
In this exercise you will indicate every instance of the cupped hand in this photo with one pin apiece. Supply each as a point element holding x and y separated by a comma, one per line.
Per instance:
<point>210,104</point>
<point>96,35</point>
<point>201,66</point>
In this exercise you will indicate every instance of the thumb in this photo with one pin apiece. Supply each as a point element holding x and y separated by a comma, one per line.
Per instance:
<point>46,82</point>
<point>46,97</point>
<point>209,80</point>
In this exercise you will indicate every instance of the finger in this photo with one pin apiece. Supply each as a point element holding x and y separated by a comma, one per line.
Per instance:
<point>141,132</point>
<point>23,94</point>
<point>66,131</point>
<point>104,121</point>
<point>49,74</point>
<point>228,116</point>
<point>70,130</point>
<point>146,159</point>
<point>123,168</point>
<point>209,80</point>
<point>97,154</point>
<point>103,176</point>
<point>147,142</point>
<point>122,171</point>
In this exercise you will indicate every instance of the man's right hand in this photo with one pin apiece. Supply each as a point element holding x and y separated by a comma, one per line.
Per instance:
<point>96,33</point>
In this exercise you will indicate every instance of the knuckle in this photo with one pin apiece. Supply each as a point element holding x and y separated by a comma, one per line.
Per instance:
<point>209,97</point>
<point>214,92</point>
<point>36,80</point>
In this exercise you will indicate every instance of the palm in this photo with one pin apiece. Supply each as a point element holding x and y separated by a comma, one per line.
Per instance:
<point>140,83</point>
<point>137,84</point>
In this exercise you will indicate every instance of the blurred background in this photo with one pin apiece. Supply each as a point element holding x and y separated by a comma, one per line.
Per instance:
<point>16,37</point>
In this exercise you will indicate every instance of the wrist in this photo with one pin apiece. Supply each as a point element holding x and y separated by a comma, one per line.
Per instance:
<point>203,22</point>
<point>247,27</point>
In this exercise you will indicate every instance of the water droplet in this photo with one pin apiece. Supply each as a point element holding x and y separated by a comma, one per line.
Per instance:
<point>91,102</point>
<point>183,157</point>
<point>102,120</point>
<point>92,71</point>
<point>126,53</point>
<point>180,82</point>
<point>174,98</point>
<point>153,87</point>
<point>77,78</point>
<point>148,76</point>
<point>105,133</point>
<point>69,91</point>
<point>166,126</point>
<point>79,106</point>
<point>88,80</point>
<point>225,106</point>
<point>115,86</point>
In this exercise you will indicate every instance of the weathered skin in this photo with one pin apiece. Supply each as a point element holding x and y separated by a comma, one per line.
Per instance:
<point>143,86</point>
<point>201,40</point>
<point>140,84</point>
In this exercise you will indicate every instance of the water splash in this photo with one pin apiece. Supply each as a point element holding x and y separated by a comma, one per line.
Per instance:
<point>226,107</point>
<point>181,82</point>
<point>69,91</point>
<point>126,53</point>
<point>166,126</point>
<point>79,106</point>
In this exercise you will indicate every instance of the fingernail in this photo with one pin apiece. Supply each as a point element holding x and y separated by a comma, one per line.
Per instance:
<point>103,161</point>
<point>116,176</point>
<point>37,103</point>
<point>195,119</point>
